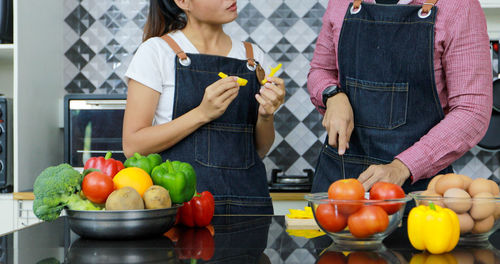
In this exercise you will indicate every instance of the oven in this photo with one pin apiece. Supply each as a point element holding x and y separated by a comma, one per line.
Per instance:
<point>92,127</point>
<point>6,168</point>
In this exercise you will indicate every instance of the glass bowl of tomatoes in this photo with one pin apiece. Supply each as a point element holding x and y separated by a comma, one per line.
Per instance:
<point>354,218</point>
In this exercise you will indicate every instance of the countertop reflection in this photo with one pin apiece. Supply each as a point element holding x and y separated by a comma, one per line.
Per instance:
<point>233,239</point>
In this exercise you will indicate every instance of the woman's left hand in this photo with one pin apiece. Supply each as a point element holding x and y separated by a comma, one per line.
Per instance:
<point>271,97</point>
<point>395,172</point>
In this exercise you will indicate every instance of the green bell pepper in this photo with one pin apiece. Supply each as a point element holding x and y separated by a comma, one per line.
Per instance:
<point>146,163</point>
<point>179,178</point>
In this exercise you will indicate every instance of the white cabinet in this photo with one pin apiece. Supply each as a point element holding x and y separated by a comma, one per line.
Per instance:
<point>31,72</point>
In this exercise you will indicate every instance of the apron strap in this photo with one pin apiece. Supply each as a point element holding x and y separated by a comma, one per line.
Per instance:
<point>426,6</point>
<point>249,51</point>
<point>173,45</point>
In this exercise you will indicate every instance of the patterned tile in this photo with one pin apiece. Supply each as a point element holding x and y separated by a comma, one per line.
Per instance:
<point>300,104</point>
<point>301,138</point>
<point>285,121</point>
<point>249,18</point>
<point>283,18</point>
<point>114,85</point>
<point>312,154</point>
<point>313,18</point>
<point>301,35</point>
<point>314,122</point>
<point>265,35</point>
<point>79,54</point>
<point>80,84</point>
<point>113,19</point>
<point>284,155</point>
<point>283,51</point>
<point>79,20</point>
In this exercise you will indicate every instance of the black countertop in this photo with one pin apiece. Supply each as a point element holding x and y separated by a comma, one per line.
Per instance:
<point>236,239</point>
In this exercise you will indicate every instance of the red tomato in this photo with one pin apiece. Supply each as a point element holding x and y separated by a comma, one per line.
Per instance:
<point>332,257</point>
<point>386,190</point>
<point>97,186</point>
<point>367,221</point>
<point>362,257</point>
<point>347,189</point>
<point>329,218</point>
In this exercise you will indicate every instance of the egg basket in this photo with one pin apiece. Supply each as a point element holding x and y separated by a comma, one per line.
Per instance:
<point>478,217</point>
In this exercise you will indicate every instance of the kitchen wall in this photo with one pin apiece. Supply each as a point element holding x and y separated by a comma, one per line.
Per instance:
<point>101,37</point>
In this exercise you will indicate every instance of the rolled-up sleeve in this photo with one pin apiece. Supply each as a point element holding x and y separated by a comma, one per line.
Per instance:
<point>467,73</point>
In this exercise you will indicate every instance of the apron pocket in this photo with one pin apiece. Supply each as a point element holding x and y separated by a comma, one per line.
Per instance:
<point>378,105</point>
<point>223,145</point>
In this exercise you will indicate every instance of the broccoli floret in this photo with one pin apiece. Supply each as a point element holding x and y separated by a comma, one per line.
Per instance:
<point>52,188</point>
<point>76,202</point>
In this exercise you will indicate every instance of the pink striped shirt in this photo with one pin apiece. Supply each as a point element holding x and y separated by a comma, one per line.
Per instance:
<point>462,68</point>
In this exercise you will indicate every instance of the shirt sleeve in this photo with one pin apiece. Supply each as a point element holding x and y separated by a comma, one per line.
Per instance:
<point>323,72</point>
<point>467,67</point>
<point>145,66</point>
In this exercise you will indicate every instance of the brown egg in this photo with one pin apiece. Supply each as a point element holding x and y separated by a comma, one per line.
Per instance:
<point>432,183</point>
<point>484,255</point>
<point>438,200</point>
<point>484,225</point>
<point>467,181</point>
<point>448,181</point>
<point>479,185</point>
<point>496,214</point>
<point>463,256</point>
<point>482,206</point>
<point>466,223</point>
<point>457,200</point>
<point>494,187</point>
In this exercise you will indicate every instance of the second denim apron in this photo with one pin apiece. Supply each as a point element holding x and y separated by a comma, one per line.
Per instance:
<point>222,152</point>
<point>385,61</point>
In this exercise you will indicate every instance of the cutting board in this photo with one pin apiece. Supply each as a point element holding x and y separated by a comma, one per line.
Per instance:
<point>292,223</point>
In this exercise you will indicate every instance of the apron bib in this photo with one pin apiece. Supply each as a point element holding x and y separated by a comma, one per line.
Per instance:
<point>385,61</point>
<point>222,152</point>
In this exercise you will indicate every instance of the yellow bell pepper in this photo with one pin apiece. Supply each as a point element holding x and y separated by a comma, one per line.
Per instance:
<point>433,228</point>
<point>240,81</point>
<point>425,258</point>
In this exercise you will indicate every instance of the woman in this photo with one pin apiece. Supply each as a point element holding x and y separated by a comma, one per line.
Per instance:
<point>406,86</point>
<point>178,105</point>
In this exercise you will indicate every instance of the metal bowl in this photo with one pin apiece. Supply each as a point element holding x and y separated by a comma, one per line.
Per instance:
<point>127,224</point>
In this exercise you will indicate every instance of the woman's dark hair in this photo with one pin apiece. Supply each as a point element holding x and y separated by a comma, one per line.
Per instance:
<point>164,16</point>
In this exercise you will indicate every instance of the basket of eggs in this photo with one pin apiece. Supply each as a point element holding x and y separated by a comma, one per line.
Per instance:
<point>475,201</point>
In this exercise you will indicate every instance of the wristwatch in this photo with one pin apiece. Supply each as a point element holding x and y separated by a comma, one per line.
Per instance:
<point>329,92</point>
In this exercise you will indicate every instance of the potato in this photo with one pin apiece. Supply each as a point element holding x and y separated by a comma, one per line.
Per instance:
<point>157,197</point>
<point>126,198</point>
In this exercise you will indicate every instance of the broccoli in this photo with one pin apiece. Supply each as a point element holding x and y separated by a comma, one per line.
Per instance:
<point>76,202</point>
<point>55,188</point>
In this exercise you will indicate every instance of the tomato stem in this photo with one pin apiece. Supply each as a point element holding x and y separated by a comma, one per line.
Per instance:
<point>108,155</point>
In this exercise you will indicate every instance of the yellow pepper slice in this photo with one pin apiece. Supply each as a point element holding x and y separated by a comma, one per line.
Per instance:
<point>241,81</point>
<point>433,228</point>
<point>271,74</point>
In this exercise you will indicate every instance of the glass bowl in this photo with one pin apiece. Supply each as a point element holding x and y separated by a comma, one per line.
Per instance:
<point>344,237</point>
<point>471,230</point>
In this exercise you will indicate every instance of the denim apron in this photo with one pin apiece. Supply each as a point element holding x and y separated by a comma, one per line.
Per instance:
<point>221,152</point>
<point>386,68</point>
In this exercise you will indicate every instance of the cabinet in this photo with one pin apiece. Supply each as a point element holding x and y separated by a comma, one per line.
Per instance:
<point>7,209</point>
<point>31,72</point>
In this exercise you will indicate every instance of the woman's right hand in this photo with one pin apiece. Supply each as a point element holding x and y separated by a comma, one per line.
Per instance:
<point>339,121</point>
<point>217,98</point>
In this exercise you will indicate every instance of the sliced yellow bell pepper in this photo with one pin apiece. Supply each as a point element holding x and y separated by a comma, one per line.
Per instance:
<point>433,228</point>
<point>240,81</point>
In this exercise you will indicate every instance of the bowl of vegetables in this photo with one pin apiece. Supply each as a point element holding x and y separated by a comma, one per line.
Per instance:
<point>355,219</point>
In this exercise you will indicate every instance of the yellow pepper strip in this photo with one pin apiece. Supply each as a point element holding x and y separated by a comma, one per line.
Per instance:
<point>307,233</point>
<point>433,228</point>
<point>426,258</point>
<point>301,214</point>
<point>271,74</point>
<point>241,81</point>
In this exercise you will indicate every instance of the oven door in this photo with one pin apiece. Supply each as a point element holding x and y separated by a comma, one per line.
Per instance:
<point>93,126</point>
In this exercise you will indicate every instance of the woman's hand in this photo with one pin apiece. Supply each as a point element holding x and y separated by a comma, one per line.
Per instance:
<point>395,172</point>
<point>271,96</point>
<point>339,121</point>
<point>217,98</point>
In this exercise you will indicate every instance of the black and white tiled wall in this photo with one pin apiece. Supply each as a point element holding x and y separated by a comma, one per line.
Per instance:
<point>101,37</point>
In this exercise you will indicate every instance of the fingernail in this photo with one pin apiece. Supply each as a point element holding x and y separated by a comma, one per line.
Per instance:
<point>341,151</point>
<point>261,90</point>
<point>268,85</point>
<point>235,79</point>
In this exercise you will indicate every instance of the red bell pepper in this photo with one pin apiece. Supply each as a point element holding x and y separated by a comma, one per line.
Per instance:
<point>105,164</point>
<point>198,211</point>
<point>195,243</point>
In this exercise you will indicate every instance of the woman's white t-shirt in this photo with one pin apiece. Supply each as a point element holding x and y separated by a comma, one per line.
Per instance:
<point>153,65</point>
